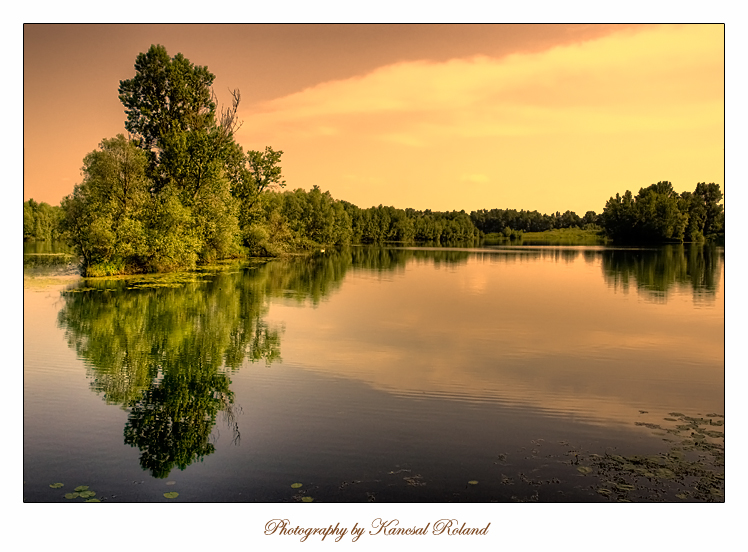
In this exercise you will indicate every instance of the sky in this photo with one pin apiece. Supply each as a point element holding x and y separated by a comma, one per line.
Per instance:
<point>442,117</point>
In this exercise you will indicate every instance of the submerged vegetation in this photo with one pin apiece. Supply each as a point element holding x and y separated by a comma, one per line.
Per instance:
<point>178,191</point>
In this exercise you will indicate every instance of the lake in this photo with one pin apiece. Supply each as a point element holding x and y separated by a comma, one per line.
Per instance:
<point>382,374</point>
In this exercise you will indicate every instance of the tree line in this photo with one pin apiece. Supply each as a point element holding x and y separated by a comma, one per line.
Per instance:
<point>507,220</point>
<point>178,190</point>
<point>41,221</point>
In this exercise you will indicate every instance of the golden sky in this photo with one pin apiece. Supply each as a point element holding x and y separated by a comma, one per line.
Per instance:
<point>442,117</point>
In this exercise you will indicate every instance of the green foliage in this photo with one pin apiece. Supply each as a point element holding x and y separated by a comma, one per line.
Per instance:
<point>163,200</point>
<point>41,221</point>
<point>103,217</point>
<point>165,95</point>
<point>658,214</point>
<point>511,222</point>
<point>166,353</point>
<point>706,202</point>
<point>380,224</point>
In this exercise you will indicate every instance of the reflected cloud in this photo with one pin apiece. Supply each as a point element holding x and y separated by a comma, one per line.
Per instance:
<point>536,327</point>
<point>541,330</point>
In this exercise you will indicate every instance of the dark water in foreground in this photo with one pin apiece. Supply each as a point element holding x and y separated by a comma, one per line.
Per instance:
<point>551,374</point>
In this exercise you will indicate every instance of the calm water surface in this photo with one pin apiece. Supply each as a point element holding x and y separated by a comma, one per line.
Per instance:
<point>385,375</point>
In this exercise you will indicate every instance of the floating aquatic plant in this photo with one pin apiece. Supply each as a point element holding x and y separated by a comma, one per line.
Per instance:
<point>655,477</point>
<point>57,485</point>
<point>296,485</point>
<point>171,495</point>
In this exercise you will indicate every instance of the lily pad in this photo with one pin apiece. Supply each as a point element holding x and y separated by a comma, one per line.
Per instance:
<point>93,500</point>
<point>664,473</point>
<point>87,494</point>
<point>584,469</point>
<point>80,488</point>
<point>171,495</point>
<point>296,485</point>
<point>307,499</point>
<point>57,485</point>
<point>71,495</point>
<point>472,482</point>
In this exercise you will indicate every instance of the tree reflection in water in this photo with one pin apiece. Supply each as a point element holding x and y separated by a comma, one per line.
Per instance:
<point>164,347</point>
<point>656,271</point>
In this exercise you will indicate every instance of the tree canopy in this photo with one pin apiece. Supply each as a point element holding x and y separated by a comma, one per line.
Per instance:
<point>170,194</point>
<point>657,213</point>
<point>166,94</point>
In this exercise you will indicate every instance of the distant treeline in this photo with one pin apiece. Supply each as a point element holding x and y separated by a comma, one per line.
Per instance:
<point>287,221</point>
<point>178,190</point>
<point>656,214</point>
<point>505,220</point>
<point>41,221</point>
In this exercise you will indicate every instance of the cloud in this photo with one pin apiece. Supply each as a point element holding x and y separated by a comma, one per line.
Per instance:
<point>662,77</point>
<point>559,129</point>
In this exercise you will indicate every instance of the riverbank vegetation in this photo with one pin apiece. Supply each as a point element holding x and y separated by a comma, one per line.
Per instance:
<point>41,221</point>
<point>178,191</point>
<point>657,214</point>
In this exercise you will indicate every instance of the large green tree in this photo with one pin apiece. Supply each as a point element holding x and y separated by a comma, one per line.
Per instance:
<point>104,217</point>
<point>160,199</point>
<point>166,94</point>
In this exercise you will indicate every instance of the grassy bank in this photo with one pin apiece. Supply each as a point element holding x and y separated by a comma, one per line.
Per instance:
<point>559,236</point>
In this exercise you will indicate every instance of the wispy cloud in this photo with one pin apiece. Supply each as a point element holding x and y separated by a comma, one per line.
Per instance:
<point>559,129</point>
<point>660,77</point>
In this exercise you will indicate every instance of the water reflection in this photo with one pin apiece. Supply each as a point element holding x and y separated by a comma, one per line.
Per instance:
<point>655,272</point>
<point>533,326</point>
<point>166,354</point>
<point>535,329</point>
